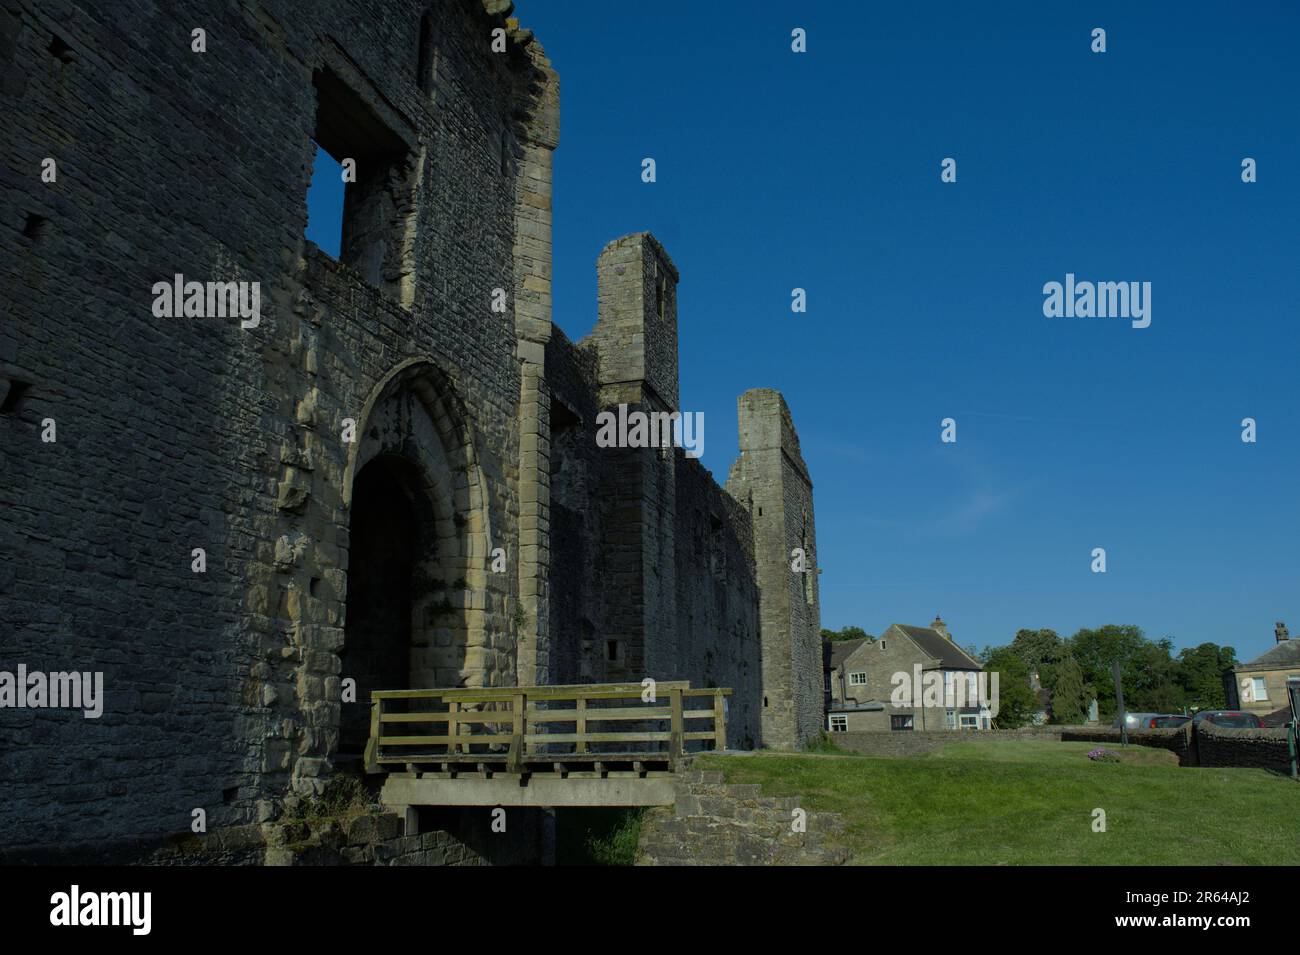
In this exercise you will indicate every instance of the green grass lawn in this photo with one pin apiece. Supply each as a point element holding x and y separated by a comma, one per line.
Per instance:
<point>1029,802</point>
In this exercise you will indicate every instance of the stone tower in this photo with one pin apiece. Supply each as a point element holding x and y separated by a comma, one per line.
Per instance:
<point>771,479</point>
<point>636,341</point>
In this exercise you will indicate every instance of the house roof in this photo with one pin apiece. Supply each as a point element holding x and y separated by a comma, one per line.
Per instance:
<point>1285,654</point>
<point>940,647</point>
<point>841,650</point>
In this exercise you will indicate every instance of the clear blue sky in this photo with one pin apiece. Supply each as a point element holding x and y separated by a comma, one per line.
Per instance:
<point>821,170</point>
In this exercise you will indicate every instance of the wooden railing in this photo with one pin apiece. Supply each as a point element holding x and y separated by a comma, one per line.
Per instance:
<point>527,725</point>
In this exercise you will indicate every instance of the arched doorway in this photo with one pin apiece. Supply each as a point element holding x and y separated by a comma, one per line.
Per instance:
<point>385,541</point>
<point>419,604</point>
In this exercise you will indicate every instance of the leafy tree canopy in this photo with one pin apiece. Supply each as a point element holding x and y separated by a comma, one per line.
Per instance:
<point>847,633</point>
<point>1017,703</point>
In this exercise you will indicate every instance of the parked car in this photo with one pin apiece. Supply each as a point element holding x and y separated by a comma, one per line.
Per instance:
<point>1135,721</point>
<point>1170,722</point>
<point>1231,719</point>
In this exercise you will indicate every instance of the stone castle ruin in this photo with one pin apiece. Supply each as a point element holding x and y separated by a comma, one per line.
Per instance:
<point>382,479</point>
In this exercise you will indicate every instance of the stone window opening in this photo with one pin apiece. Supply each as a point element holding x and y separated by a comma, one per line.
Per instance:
<point>507,153</point>
<point>427,63</point>
<point>378,208</point>
<point>15,391</point>
<point>60,50</point>
<point>34,227</point>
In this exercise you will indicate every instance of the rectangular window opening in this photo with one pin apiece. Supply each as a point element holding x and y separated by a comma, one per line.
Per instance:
<point>360,205</point>
<point>34,227</point>
<point>13,396</point>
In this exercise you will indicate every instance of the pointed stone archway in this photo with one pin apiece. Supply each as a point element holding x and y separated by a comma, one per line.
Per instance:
<point>418,601</point>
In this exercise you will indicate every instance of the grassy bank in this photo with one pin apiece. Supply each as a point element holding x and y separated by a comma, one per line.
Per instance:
<point>1027,802</point>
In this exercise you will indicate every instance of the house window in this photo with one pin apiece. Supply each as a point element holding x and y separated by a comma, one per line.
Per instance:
<point>839,724</point>
<point>858,678</point>
<point>952,719</point>
<point>613,651</point>
<point>969,721</point>
<point>882,643</point>
<point>1259,688</point>
<point>900,722</point>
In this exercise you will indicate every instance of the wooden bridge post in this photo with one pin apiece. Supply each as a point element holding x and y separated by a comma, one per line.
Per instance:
<point>675,747</point>
<point>582,724</point>
<point>453,727</point>
<point>519,727</point>
<point>719,721</point>
<point>371,756</point>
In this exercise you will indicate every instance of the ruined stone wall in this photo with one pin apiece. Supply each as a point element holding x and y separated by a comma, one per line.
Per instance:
<point>579,583</point>
<point>177,433</point>
<point>772,481</point>
<point>716,823</point>
<point>716,600</point>
<point>224,685</point>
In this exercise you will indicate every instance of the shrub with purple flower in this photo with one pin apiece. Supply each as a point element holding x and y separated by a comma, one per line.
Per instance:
<point>1103,756</point>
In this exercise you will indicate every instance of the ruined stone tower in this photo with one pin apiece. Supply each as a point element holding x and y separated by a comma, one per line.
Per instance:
<point>772,479</point>
<point>391,482</point>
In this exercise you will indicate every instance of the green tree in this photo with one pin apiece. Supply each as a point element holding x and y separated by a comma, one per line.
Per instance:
<point>1038,648</point>
<point>1017,703</point>
<point>1201,674</point>
<point>1095,651</point>
<point>847,633</point>
<point>1070,695</point>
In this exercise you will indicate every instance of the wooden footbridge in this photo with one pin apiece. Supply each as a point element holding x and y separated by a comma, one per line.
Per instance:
<point>614,744</point>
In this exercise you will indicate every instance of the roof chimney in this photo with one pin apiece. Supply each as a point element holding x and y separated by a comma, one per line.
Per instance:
<point>941,628</point>
<point>1280,631</point>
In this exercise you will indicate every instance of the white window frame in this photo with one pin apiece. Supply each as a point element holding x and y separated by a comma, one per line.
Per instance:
<point>973,725</point>
<point>838,723</point>
<point>854,678</point>
<point>1259,688</point>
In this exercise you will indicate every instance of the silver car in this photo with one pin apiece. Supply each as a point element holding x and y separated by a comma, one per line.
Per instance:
<point>1136,721</point>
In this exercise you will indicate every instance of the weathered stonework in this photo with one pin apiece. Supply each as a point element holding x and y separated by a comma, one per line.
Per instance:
<point>391,482</point>
<point>715,823</point>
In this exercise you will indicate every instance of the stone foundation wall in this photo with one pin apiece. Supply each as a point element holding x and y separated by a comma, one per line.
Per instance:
<point>464,839</point>
<point>713,823</point>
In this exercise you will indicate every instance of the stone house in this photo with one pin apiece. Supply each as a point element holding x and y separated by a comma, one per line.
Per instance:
<point>877,685</point>
<point>1259,686</point>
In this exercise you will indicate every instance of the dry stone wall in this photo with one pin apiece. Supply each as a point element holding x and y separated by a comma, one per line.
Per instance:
<point>1259,748</point>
